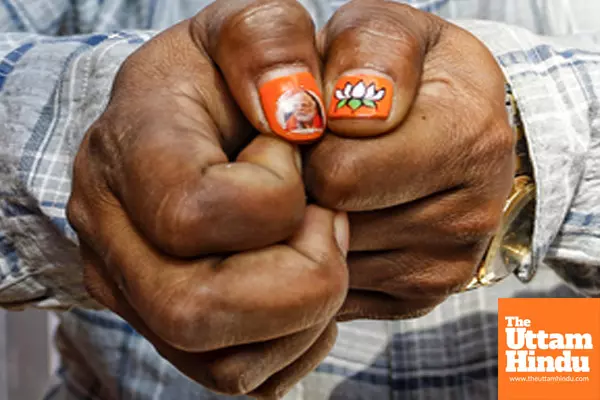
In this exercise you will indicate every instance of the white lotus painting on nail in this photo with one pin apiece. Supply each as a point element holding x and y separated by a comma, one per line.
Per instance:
<point>359,95</point>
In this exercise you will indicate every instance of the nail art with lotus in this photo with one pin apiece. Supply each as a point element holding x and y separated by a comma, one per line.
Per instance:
<point>358,96</point>
<point>361,96</point>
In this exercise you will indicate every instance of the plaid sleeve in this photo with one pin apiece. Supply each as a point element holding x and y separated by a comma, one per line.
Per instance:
<point>556,83</point>
<point>35,16</point>
<point>51,90</point>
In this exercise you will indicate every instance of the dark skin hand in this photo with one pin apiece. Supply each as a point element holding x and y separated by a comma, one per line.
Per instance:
<point>195,229</point>
<point>192,215</point>
<point>424,188</point>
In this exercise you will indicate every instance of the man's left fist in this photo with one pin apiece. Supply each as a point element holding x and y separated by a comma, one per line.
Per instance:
<point>421,154</point>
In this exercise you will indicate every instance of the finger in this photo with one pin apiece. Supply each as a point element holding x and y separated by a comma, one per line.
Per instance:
<point>188,199</point>
<point>416,273</point>
<point>426,153</point>
<point>242,369</point>
<point>169,161</point>
<point>215,303</point>
<point>183,86</point>
<point>424,156</point>
<point>449,218</point>
<point>97,282</point>
<point>374,52</point>
<point>266,52</point>
<point>364,304</point>
<point>235,370</point>
<point>278,385</point>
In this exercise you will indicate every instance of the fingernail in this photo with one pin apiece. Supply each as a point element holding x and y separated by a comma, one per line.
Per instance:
<point>362,94</point>
<point>293,105</point>
<point>341,229</point>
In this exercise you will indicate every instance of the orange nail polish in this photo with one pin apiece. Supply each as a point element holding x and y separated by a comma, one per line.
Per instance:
<point>362,96</point>
<point>293,107</point>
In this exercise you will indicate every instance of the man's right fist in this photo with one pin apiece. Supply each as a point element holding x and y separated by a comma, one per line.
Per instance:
<point>190,208</point>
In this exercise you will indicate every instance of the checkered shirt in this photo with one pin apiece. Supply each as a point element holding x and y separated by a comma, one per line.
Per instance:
<point>57,62</point>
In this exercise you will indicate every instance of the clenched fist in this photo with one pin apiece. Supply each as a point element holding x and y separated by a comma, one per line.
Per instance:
<point>191,211</point>
<point>423,177</point>
<point>190,195</point>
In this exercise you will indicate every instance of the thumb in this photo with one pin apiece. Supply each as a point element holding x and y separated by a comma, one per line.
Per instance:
<point>374,53</point>
<point>266,52</point>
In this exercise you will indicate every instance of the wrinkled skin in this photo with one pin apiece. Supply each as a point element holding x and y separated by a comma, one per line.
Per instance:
<point>192,218</point>
<point>425,188</point>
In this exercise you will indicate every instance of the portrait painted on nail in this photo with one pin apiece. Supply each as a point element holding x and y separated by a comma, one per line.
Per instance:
<point>293,107</point>
<point>300,111</point>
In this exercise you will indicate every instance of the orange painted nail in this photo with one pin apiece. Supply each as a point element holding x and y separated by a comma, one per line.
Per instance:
<point>362,96</point>
<point>293,107</point>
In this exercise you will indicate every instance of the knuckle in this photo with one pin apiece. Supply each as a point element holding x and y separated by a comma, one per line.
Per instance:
<point>101,144</point>
<point>276,215</point>
<point>97,160</point>
<point>454,277</point>
<point>179,322</point>
<point>177,326</point>
<point>77,214</point>
<point>396,25</point>
<point>415,277</point>
<point>192,218</point>
<point>178,217</point>
<point>335,283</point>
<point>254,14</point>
<point>494,138</point>
<point>228,376</point>
<point>505,139</point>
<point>251,23</point>
<point>97,288</point>
<point>288,216</point>
<point>333,179</point>
<point>406,42</point>
<point>90,283</point>
<point>330,286</point>
<point>442,280</point>
<point>476,226</point>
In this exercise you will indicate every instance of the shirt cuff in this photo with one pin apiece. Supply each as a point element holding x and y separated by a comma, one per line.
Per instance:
<point>544,87</point>
<point>55,89</point>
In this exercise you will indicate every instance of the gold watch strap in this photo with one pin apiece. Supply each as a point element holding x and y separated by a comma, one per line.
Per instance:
<point>526,269</point>
<point>510,250</point>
